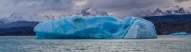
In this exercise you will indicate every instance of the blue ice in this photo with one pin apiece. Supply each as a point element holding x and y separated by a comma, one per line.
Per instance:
<point>180,33</point>
<point>96,27</point>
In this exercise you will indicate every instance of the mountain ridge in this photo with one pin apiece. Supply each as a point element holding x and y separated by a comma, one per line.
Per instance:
<point>173,10</point>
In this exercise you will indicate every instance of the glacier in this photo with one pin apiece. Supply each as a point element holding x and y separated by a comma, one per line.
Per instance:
<point>96,27</point>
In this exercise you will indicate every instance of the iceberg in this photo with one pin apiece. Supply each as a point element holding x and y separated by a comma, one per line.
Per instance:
<point>96,27</point>
<point>180,33</point>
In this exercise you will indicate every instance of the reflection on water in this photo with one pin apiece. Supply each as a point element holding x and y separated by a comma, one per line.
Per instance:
<point>29,44</point>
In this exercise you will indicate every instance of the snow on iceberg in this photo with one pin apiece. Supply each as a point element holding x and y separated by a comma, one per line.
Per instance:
<point>96,27</point>
<point>180,33</point>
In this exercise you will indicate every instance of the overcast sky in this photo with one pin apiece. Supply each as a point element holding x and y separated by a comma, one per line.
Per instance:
<point>68,7</point>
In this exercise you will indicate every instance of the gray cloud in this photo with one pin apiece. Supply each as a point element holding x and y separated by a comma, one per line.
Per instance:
<point>124,4</point>
<point>127,7</point>
<point>36,6</point>
<point>65,7</point>
<point>181,0</point>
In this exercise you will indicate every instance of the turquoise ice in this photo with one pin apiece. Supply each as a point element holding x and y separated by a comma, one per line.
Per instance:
<point>180,33</point>
<point>96,27</point>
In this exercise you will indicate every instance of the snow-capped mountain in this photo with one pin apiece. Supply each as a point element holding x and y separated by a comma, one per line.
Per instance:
<point>25,17</point>
<point>175,10</point>
<point>28,19</point>
<point>41,18</point>
<point>92,12</point>
<point>23,20</point>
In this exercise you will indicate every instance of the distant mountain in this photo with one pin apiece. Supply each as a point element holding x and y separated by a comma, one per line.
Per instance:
<point>25,17</point>
<point>168,18</point>
<point>168,14</point>
<point>92,12</point>
<point>18,24</point>
<point>39,18</point>
<point>168,24</point>
<point>174,10</point>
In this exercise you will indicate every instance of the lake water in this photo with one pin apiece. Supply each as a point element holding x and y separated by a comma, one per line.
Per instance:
<point>30,44</point>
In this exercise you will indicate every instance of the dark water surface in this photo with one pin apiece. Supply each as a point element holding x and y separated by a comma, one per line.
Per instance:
<point>164,43</point>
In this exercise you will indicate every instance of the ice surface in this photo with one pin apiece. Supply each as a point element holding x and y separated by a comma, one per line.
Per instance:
<point>96,27</point>
<point>180,33</point>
